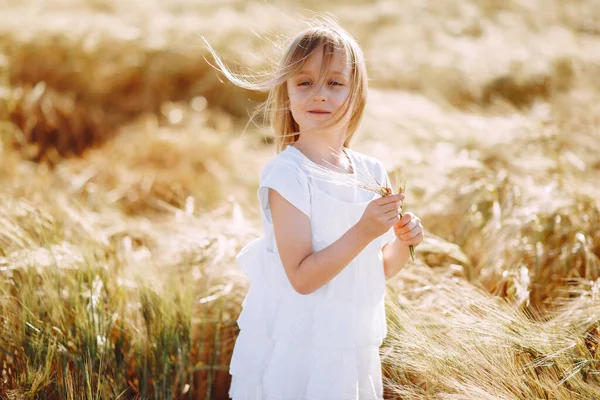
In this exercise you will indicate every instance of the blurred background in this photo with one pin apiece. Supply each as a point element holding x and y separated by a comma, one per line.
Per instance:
<point>128,177</point>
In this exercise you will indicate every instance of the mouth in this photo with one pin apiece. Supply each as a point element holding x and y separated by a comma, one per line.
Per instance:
<point>319,112</point>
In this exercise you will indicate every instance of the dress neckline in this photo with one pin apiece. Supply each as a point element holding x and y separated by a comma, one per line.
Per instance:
<point>346,151</point>
<point>352,175</point>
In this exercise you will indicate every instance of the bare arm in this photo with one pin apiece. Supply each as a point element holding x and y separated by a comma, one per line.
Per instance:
<point>395,256</point>
<point>306,270</point>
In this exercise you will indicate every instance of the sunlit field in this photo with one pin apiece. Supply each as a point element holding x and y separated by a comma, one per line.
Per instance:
<point>128,177</point>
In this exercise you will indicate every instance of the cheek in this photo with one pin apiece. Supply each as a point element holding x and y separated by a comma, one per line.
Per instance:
<point>297,101</point>
<point>295,107</point>
<point>293,104</point>
<point>340,105</point>
<point>298,96</point>
<point>340,96</point>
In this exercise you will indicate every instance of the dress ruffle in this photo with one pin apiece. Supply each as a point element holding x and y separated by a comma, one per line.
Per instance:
<point>293,346</point>
<point>301,370</point>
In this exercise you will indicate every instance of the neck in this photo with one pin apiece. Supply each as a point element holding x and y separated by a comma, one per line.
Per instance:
<point>324,149</point>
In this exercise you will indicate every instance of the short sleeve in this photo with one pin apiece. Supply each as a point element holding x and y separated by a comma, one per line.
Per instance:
<point>289,181</point>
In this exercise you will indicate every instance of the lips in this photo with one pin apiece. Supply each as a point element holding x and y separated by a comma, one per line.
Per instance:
<point>319,112</point>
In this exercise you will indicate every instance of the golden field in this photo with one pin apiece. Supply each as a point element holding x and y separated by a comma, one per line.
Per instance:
<point>128,176</point>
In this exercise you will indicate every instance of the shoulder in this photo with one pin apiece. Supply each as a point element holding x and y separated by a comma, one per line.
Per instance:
<point>284,175</point>
<point>285,166</point>
<point>284,163</point>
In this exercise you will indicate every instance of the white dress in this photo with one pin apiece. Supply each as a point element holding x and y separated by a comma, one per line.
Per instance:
<point>325,345</point>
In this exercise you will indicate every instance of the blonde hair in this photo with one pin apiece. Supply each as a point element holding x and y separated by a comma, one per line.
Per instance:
<point>323,33</point>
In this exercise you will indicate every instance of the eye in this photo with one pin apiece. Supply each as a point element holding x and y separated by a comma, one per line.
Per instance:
<point>335,83</point>
<point>305,83</point>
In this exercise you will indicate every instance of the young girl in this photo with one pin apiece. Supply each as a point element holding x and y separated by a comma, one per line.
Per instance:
<point>314,317</point>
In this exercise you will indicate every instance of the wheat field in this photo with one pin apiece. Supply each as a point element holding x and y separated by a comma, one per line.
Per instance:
<point>128,176</point>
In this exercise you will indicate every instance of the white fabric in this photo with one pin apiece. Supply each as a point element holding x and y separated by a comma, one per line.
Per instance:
<point>286,180</point>
<point>324,345</point>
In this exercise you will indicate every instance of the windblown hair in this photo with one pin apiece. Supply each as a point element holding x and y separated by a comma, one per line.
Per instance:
<point>323,34</point>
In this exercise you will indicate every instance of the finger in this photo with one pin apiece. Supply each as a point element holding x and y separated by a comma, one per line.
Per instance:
<point>412,233</point>
<point>389,199</point>
<point>417,239</point>
<point>409,227</point>
<point>392,199</point>
<point>390,223</point>
<point>392,206</point>
<point>391,216</point>
<point>406,218</point>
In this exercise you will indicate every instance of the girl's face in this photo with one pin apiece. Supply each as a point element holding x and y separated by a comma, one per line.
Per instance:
<point>314,101</point>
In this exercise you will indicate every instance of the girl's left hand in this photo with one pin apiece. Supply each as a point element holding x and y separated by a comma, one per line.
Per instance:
<point>409,230</point>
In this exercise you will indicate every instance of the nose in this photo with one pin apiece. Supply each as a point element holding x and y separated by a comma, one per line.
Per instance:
<point>320,94</point>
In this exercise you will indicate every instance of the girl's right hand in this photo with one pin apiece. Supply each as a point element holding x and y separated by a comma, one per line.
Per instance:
<point>380,215</point>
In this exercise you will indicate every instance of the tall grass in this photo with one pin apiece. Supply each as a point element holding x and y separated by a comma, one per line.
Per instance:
<point>75,325</point>
<point>126,189</point>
